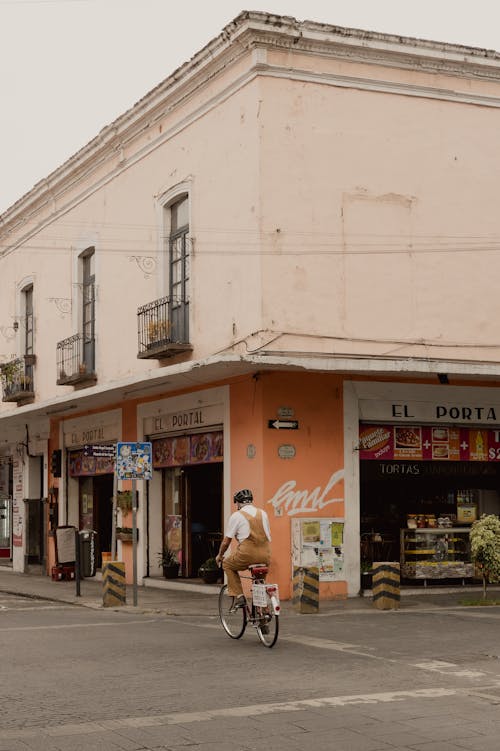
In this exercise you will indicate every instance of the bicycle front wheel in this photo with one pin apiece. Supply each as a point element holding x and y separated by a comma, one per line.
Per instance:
<point>267,624</point>
<point>233,622</point>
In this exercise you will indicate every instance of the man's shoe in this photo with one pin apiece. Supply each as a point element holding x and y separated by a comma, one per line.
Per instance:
<point>238,602</point>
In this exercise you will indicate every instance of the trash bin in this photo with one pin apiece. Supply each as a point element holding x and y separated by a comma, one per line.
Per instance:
<point>88,553</point>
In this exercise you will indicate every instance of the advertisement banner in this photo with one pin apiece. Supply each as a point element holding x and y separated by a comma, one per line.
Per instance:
<point>428,443</point>
<point>201,448</point>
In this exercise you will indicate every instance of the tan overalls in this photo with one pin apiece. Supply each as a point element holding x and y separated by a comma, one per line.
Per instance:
<point>255,549</point>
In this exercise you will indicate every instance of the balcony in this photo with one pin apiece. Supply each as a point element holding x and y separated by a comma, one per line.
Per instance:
<point>17,379</point>
<point>163,329</point>
<point>75,360</point>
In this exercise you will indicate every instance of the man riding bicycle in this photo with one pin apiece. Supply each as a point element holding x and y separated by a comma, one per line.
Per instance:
<point>250,527</point>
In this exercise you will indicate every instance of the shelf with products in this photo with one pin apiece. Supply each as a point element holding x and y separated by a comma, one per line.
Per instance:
<point>439,553</point>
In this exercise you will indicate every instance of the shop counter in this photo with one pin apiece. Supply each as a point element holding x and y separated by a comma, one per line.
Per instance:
<point>436,553</point>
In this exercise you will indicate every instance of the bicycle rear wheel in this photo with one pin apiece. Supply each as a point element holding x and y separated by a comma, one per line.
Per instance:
<point>268,624</point>
<point>233,622</point>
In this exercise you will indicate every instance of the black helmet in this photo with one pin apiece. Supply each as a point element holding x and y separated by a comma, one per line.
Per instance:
<point>243,496</point>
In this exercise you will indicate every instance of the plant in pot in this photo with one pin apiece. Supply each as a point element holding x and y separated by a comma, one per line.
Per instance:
<point>209,571</point>
<point>125,534</point>
<point>124,500</point>
<point>168,560</point>
<point>366,575</point>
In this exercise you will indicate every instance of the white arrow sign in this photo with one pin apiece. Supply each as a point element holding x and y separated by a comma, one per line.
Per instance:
<point>283,424</point>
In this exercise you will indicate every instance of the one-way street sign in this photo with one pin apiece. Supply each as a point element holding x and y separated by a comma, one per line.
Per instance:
<point>283,424</point>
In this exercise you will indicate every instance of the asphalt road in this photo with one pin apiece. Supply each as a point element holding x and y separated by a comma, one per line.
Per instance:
<point>359,680</point>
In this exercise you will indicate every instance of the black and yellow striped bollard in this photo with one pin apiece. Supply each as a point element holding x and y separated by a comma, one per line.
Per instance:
<point>114,589</point>
<point>305,595</point>
<point>386,585</point>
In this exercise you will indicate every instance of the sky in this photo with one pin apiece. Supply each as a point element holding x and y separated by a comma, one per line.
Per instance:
<point>68,68</point>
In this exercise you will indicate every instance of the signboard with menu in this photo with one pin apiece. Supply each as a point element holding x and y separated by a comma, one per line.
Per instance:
<point>428,443</point>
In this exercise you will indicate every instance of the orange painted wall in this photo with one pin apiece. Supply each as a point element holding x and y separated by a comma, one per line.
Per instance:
<point>316,400</point>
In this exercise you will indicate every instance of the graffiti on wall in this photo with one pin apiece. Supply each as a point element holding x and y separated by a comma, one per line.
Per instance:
<point>290,500</point>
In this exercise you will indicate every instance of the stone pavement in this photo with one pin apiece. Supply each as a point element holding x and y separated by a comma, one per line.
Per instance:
<point>428,681</point>
<point>191,598</point>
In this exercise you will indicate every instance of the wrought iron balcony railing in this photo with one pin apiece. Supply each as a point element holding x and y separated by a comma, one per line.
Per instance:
<point>75,360</point>
<point>163,328</point>
<point>17,379</point>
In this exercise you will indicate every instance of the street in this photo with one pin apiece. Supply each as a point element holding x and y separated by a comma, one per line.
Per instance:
<point>351,678</point>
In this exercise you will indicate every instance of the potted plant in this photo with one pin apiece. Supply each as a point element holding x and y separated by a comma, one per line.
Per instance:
<point>124,500</point>
<point>168,561</point>
<point>125,534</point>
<point>158,331</point>
<point>366,575</point>
<point>25,382</point>
<point>209,571</point>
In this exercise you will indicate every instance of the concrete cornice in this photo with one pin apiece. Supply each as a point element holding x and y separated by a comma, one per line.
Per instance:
<point>217,369</point>
<point>251,30</point>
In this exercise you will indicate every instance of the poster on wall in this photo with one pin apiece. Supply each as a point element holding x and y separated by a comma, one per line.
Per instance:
<point>133,460</point>
<point>4,478</point>
<point>82,465</point>
<point>17,518</point>
<point>173,534</point>
<point>319,543</point>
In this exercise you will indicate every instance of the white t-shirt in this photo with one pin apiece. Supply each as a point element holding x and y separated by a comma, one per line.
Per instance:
<point>239,527</point>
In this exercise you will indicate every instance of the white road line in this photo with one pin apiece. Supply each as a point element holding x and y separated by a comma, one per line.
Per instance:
<point>337,646</point>
<point>61,627</point>
<point>185,718</point>
<point>36,607</point>
<point>436,666</point>
<point>448,668</point>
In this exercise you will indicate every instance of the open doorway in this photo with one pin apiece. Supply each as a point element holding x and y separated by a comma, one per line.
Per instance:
<point>192,519</point>
<point>96,509</point>
<point>203,516</point>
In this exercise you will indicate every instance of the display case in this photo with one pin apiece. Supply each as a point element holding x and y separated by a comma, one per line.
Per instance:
<point>438,553</point>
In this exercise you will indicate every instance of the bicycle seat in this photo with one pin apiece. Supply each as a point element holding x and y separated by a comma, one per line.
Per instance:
<point>258,569</point>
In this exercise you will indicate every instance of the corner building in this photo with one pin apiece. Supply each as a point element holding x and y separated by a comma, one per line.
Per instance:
<point>279,268</point>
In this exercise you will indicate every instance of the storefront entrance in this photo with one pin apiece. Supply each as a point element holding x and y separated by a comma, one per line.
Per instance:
<point>94,468</point>
<point>204,514</point>
<point>421,489</point>
<point>6,489</point>
<point>193,514</point>
<point>6,528</point>
<point>192,497</point>
<point>96,509</point>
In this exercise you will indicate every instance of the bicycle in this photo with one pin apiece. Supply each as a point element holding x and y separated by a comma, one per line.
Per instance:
<point>262,611</point>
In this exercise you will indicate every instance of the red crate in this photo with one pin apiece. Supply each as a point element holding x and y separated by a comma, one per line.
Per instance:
<point>68,572</point>
<point>57,573</point>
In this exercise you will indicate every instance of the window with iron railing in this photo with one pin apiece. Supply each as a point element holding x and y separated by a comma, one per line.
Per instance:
<point>76,354</point>
<point>179,261</point>
<point>17,379</point>
<point>163,324</point>
<point>88,310</point>
<point>71,364</point>
<point>161,333</point>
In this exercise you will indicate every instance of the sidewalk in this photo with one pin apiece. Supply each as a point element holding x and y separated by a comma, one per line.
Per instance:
<point>197,599</point>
